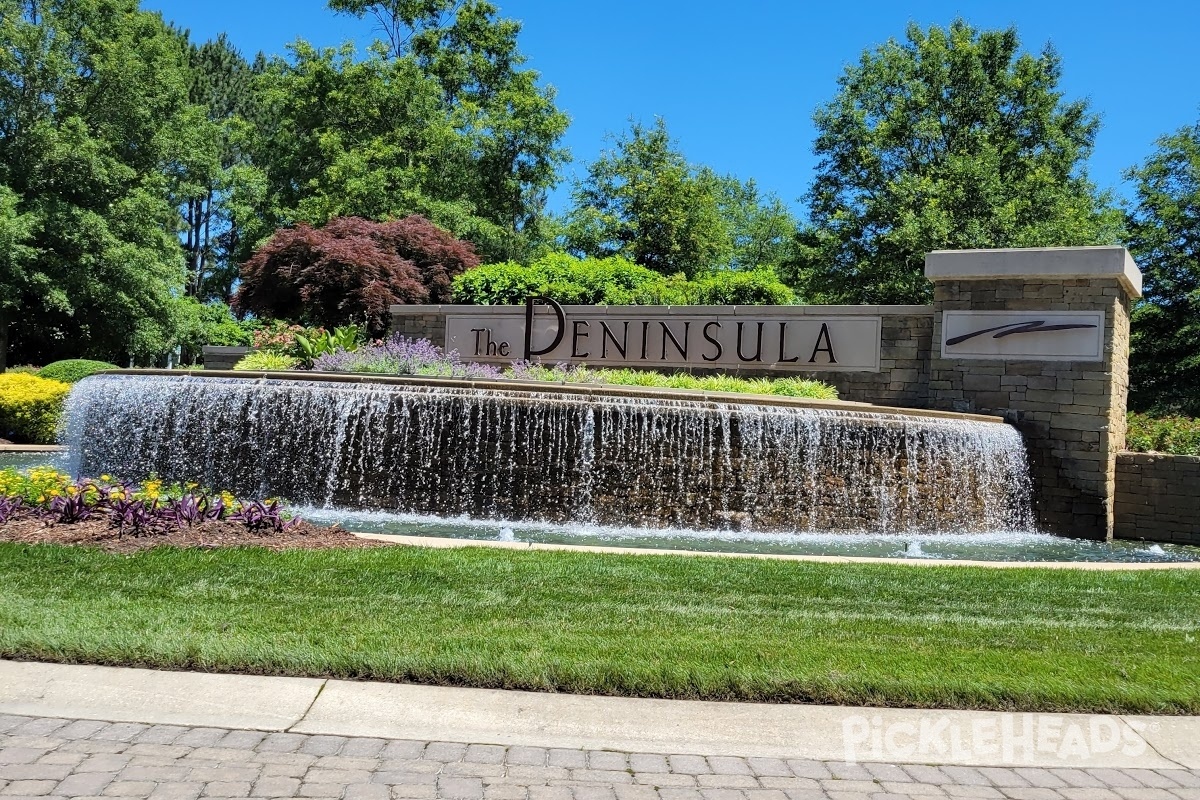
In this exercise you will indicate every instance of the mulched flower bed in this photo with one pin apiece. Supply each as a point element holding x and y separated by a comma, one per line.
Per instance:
<point>100,533</point>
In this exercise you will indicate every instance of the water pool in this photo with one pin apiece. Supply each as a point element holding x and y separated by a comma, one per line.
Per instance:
<point>996,546</point>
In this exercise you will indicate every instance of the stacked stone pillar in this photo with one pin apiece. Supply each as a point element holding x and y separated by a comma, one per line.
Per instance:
<point>1071,412</point>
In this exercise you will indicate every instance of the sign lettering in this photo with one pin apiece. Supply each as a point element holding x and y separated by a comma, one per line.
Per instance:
<point>782,338</point>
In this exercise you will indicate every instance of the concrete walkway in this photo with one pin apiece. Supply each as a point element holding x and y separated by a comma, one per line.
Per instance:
<point>98,731</point>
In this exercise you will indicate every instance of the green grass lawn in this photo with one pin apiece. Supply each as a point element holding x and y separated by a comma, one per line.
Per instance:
<point>655,626</point>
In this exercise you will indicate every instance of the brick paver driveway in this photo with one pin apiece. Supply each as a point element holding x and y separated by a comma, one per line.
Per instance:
<point>83,758</point>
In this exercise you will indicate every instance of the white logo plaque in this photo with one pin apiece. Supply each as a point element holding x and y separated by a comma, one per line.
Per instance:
<point>1023,335</point>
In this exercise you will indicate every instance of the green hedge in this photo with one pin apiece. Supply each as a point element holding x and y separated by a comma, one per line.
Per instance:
<point>614,281</point>
<point>73,370</point>
<point>1176,435</point>
<point>30,407</point>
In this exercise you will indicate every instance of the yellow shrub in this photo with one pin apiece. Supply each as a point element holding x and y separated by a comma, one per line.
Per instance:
<point>30,407</point>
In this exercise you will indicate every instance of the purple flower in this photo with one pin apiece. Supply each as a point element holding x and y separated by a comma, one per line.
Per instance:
<point>402,356</point>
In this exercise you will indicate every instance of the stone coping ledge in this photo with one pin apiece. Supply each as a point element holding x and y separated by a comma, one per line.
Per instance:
<point>1043,264</point>
<point>32,448</point>
<point>439,542</point>
<point>755,311</point>
<point>1137,455</point>
<point>585,389</point>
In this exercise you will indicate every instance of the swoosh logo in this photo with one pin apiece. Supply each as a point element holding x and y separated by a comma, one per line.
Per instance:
<point>1000,331</point>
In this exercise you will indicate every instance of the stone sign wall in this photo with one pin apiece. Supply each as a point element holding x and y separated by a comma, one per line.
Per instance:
<point>903,344</point>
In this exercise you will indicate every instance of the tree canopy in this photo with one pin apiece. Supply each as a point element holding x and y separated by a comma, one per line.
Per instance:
<point>95,131</point>
<point>952,139</point>
<point>140,171</point>
<point>441,119</point>
<point>1164,237</point>
<point>643,201</point>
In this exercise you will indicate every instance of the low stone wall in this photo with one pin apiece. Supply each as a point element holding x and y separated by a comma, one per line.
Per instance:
<point>902,380</point>
<point>223,357</point>
<point>1158,498</point>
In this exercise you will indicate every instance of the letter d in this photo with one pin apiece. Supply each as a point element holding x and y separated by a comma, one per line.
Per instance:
<point>562,326</point>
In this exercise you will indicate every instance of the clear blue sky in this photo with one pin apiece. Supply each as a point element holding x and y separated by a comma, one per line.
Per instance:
<point>737,82</point>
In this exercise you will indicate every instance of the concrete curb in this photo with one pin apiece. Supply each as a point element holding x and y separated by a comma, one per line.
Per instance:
<point>481,716</point>
<point>441,542</point>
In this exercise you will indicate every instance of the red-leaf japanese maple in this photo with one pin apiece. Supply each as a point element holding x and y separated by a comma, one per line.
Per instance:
<point>351,270</point>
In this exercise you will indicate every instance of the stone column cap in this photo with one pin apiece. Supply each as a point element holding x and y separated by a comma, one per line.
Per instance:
<point>1036,263</point>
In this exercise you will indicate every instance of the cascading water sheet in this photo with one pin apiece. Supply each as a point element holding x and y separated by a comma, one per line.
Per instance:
<point>555,456</point>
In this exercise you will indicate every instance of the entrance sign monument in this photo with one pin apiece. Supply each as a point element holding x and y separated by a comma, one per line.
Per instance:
<point>1038,336</point>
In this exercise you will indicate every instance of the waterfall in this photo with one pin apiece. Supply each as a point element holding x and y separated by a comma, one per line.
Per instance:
<point>588,457</point>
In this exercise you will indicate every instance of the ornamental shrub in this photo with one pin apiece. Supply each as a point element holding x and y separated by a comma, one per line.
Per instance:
<point>751,287</point>
<point>614,281</point>
<point>351,270</point>
<point>211,323</point>
<point>30,407</point>
<point>278,336</point>
<point>561,277</point>
<point>73,370</point>
<point>267,361</point>
<point>1175,435</point>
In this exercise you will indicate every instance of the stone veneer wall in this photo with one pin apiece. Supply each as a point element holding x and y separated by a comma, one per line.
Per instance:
<point>1157,498</point>
<point>903,378</point>
<point>420,322</point>
<point>215,357</point>
<point>1071,412</point>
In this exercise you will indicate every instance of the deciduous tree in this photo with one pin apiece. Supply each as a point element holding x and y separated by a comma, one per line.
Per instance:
<point>222,82</point>
<point>440,118</point>
<point>351,271</point>
<point>94,117</point>
<point>952,139</point>
<point>1164,237</point>
<point>643,201</point>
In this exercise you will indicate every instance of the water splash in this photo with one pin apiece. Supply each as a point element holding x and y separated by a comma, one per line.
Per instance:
<point>555,457</point>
